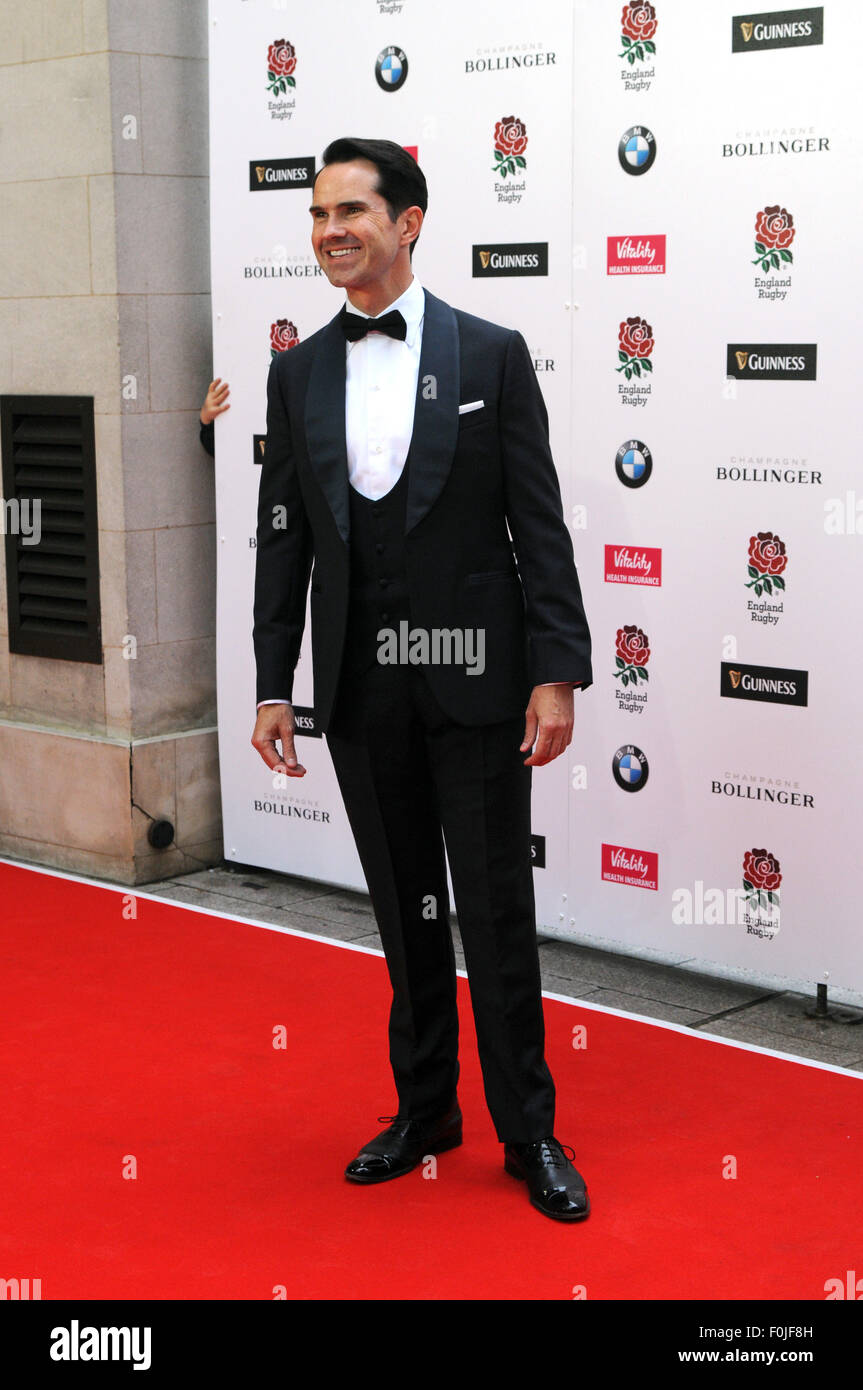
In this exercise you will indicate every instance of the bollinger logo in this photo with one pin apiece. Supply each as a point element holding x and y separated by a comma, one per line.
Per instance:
<point>283,335</point>
<point>777,29</point>
<point>777,685</point>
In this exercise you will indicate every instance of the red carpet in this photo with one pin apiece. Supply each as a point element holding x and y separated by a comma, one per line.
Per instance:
<point>153,1038</point>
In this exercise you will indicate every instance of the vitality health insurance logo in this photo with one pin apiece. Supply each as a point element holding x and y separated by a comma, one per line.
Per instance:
<point>637,33</point>
<point>635,343</point>
<point>774,233</point>
<point>283,336</point>
<point>510,143</point>
<point>638,868</point>
<point>752,33</point>
<point>768,560</point>
<point>281,66</point>
<point>631,564</point>
<point>635,255</point>
<point>632,654</point>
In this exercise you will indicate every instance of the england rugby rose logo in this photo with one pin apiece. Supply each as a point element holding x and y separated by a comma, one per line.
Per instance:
<point>632,656</point>
<point>637,26</point>
<point>635,345</point>
<point>761,879</point>
<point>281,61</point>
<point>510,143</point>
<point>774,233</point>
<point>767,561</point>
<point>283,335</point>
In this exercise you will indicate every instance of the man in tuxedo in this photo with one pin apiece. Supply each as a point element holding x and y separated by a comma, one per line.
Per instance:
<point>407,458</point>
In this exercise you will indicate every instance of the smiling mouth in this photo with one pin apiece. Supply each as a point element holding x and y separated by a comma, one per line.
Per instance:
<point>342,251</point>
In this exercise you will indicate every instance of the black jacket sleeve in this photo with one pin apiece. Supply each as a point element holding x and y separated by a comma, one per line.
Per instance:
<point>283,555</point>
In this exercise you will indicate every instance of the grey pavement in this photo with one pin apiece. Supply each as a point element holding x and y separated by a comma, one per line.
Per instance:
<point>672,994</point>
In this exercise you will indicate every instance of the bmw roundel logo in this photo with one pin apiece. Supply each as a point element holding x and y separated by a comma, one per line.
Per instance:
<point>630,768</point>
<point>633,463</point>
<point>637,149</point>
<point>391,69</point>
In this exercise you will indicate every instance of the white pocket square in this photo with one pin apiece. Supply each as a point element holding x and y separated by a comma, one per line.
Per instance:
<point>471,405</point>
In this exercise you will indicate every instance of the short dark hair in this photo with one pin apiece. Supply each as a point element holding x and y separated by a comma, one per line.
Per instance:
<point>401,182</point>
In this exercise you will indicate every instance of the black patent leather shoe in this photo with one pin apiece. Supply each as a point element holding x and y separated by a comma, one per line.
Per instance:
<point>404,1144</point>
<point>556,1187</point>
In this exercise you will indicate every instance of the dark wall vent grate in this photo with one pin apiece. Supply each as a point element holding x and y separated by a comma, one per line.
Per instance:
<point>51,525</point>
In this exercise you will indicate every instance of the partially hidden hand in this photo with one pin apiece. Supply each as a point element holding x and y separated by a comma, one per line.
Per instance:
<point>216,401</point>
<point>548,723</point>
<point>275,723</point>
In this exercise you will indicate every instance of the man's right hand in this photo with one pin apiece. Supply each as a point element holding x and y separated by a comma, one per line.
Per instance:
<point>276,722</point>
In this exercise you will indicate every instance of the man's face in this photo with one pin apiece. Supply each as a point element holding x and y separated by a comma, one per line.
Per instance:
<point>353,238</point>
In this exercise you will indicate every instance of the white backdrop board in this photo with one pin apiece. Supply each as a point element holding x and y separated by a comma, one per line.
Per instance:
<point>672,193</point>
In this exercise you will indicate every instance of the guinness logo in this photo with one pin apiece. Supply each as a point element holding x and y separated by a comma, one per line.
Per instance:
<point>746,29</point>
<point>772,362</point>
<point>777,685</point>
<point>270,175</point>
<point>510,258</point>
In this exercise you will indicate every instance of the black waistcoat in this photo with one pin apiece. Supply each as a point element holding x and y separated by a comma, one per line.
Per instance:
<point>378,595</point>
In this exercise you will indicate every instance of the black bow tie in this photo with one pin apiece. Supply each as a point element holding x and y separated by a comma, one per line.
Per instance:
<point>354,326</point>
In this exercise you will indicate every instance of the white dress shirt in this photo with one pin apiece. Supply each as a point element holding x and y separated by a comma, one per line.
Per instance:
<point>380,396</point>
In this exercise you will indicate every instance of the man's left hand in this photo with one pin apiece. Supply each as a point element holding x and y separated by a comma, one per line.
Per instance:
<point>548,723</point>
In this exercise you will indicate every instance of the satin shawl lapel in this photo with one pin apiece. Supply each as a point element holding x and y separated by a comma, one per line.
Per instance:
<point>325,423</point>
<point>435,430</point>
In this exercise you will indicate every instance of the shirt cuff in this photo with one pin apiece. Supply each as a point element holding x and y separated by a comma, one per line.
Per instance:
<point>272,702</point>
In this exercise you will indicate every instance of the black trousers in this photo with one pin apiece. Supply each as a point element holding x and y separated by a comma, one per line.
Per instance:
<point>413,780</point>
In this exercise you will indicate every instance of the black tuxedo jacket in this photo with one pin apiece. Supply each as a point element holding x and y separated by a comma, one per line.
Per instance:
<point>471,475</point>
